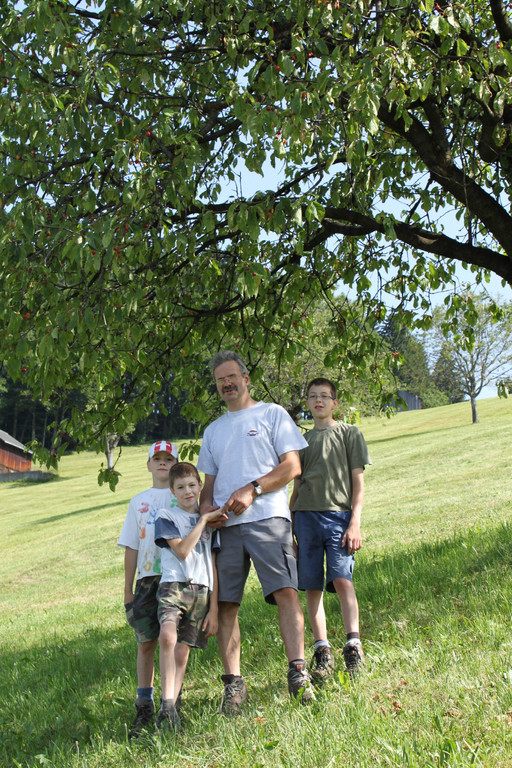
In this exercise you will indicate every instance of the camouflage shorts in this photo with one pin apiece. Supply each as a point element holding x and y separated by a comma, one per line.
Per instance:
<point>142,613</point>
<point>186,605</point>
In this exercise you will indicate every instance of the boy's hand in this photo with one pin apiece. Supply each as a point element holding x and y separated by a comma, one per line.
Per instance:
<point>211,623</point>
<point>216,515</point>
<point>205,509</point>
<point>352,538</point>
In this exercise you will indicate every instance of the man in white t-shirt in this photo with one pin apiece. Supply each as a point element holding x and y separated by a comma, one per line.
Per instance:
<point>248,456</point>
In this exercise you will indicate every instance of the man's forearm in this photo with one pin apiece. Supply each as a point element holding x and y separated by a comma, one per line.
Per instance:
<point>286,471</point>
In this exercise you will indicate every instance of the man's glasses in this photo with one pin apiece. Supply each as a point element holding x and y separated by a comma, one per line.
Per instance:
<point>230,379</point>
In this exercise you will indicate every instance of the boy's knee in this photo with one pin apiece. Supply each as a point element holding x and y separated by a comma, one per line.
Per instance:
<point>168,634</point>
<point>148,647</point>
<point>343,585</point>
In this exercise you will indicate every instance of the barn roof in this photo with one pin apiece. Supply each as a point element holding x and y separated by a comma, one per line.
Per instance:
<point>8,439</point>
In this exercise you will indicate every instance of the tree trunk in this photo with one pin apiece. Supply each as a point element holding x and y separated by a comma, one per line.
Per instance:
<point>474,413</point>
<point>112,441</point>
<point>43,438</point>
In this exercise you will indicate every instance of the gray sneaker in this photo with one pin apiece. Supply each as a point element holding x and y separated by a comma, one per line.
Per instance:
<point>322,664</point>
<point>235,693</point>
<point>354,658</point>
<point>299,683</point>
<point>144,717</point>
<point>168,716</point>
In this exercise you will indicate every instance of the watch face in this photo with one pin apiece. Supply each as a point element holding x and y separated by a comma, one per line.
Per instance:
<point>257,488</point>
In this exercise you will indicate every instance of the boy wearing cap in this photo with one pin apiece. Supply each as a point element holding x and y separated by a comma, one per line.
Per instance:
<point>142,561</point>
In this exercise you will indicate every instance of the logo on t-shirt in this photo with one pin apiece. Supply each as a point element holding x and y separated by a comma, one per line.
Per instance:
<point>252,433</point>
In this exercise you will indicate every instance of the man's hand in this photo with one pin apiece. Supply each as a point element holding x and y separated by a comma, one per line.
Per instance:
<point>352,538</point>
<point>240,499</point>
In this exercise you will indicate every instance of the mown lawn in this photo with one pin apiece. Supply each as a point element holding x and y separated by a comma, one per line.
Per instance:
<point>434,581</point>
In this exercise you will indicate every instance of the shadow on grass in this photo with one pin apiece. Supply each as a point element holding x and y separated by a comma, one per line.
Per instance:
<point>53,519</point>
<point>63,696</point>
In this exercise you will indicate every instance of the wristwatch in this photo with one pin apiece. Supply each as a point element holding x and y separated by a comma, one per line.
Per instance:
<point>258,490</point>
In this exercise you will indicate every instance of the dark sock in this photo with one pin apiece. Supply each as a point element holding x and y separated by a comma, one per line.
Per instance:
<point>145,693</point>
<point>228,679</point>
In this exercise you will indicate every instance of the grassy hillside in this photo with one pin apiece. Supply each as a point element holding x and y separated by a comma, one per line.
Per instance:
<point>434,581</point>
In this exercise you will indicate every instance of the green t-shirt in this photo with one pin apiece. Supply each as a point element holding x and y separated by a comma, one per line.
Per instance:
<point>326,479</point>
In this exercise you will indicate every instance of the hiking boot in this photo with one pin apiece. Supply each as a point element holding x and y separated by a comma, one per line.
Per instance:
<point>144,717</point>
<point>322,663</point>
<point>235,693</point>
<point>299,682</point>
<point>354,658</point>
<point>168,716</point>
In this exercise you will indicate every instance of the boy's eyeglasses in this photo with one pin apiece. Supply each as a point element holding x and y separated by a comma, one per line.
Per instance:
<point>324,398</point>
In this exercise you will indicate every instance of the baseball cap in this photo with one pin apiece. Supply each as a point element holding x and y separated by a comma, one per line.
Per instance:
<point>165,447</point>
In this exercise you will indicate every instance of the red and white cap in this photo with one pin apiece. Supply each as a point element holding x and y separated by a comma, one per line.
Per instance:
<point>163,446</point>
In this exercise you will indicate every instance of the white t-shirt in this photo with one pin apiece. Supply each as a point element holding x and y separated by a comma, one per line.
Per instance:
<point>197,567</point>
<point>139,528</point>
<point>245,445</point>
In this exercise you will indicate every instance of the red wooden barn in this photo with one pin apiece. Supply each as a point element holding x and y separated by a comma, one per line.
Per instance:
<point>13,456</point>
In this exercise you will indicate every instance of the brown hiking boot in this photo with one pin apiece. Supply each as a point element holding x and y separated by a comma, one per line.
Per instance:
<point>144,717</point>
<point>168,716</point>
<point>235,693</point>
<point>354,658</point>
<point>299,682</point>
<point>322,664</point>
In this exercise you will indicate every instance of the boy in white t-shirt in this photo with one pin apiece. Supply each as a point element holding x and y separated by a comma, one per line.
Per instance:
<point>142,559</point>
<point>187,595</point>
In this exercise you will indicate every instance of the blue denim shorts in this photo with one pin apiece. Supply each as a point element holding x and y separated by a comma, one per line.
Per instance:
<point>319,534</point>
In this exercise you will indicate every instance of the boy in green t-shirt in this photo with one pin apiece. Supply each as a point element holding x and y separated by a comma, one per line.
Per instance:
<point>326,504</point>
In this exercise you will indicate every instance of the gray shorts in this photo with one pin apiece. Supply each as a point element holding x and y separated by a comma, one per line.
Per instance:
<point>186,605</point>
<point>268,543</point>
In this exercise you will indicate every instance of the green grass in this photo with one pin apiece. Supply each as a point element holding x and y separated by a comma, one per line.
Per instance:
<point>434,581</point>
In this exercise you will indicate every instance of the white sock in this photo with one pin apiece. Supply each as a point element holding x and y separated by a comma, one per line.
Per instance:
<point>322,644</point>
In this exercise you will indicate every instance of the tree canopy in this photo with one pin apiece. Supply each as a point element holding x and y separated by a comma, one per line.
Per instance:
<point>129,237</point>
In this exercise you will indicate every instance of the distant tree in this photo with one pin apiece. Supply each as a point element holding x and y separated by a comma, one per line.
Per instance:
<point>479,341</point>
<point>411,363</point>
<point>446,377</point>
<point>330,335</point>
